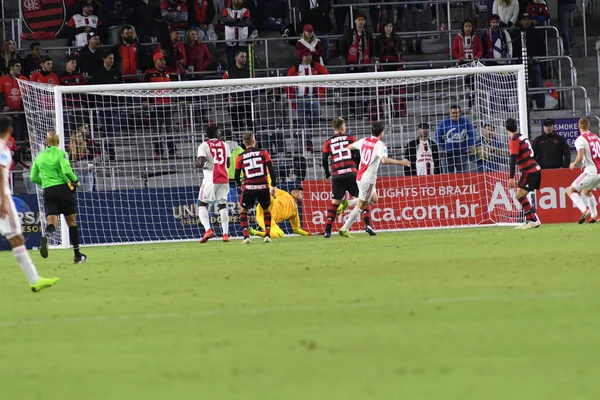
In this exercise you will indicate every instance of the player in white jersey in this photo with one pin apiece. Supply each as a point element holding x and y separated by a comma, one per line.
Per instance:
<point>213,159</point>
<point>10,223</point>
<point>588,152</point>
<point>372,153</point>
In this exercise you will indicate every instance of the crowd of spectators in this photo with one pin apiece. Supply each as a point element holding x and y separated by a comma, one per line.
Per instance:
<point>108,36</point>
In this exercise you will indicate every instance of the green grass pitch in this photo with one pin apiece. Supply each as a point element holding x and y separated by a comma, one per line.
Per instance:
<point>465,314</point>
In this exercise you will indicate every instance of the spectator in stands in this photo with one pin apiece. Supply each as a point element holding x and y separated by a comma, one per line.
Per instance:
<point>241,110</point>
<point>423,154</point>
<point>11,98</point>
<point>380,14</point>
<point>357,48</point>
<point>467,46</point>
<point>490,153</point>
<point>73,100</point>
<point>145,17</point>
<point>82,151</point>
<point>8,53</point>
<point>565,9</point>
<point>316,13</point>
<point>456,136</point>
<point>177,59</point>
<point>176,13</point>
<point>388,52</point>
<point>237,20</point>
<point>538,11</point>
<point>414,21</point>
<point>31,62</point>
<point>272,14</point>
<point>357,45</point>
<point>160,109</point>
<point>201,19</point>
<point>82,26</point>
<point>536,47</point>
<point>508,11</point>
<point>45,75</point>
<point>197,54</point>
<point>496,42</point>
<point>308,98</point>
<point>130,56</point>
<point>90,56</point>
<point>108,74</point>
<point>309,41</point>
<point>117,12</point>
<point>550,149</point>
<point>340,14</point>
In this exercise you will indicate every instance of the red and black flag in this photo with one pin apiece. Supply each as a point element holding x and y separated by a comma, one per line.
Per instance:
<point>44,15</point>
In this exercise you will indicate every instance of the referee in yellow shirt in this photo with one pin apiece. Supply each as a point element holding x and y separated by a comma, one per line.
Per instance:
<point>284,206</point>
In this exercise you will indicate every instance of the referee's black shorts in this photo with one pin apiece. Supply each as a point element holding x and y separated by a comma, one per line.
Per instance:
<point>342,184</point>
<point>59,200</point>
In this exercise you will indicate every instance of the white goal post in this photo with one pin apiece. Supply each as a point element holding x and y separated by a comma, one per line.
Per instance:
<point>141,140</point>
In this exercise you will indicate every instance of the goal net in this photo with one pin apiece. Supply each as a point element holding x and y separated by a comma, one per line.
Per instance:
<point>133,146</point>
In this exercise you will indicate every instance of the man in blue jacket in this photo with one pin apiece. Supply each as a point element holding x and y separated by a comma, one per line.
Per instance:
<point>455,135</point>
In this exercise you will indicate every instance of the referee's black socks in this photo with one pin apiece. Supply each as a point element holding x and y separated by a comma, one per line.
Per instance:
<point>49,230</point>
<point>74,238</point>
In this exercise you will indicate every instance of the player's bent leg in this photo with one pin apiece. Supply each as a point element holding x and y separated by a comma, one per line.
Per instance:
<point>205,220</point>
<point>36,283</point>
<point>224,215</point>
<point>530,218</point>
<point>592,204</point>
<point>573,192</point>
<point>51,224</point>
<point>244,224</point>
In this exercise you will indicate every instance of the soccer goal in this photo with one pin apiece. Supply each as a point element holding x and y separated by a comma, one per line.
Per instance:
<point>134,145</point>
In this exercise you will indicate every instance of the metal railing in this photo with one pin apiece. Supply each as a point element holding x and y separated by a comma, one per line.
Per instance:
<point>587,102</point>
<point>15,30</point>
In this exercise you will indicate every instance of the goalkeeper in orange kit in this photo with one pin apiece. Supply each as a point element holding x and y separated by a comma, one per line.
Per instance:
<point>284,206</point>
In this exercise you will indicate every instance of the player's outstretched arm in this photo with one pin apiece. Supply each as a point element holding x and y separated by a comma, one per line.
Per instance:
<point>578,159</point>
<point>391,161</point>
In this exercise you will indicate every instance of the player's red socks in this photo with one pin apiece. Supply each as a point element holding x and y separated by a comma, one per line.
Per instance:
<point>267,217</point>
<point>366,216</point>
<point>529,214</point>
<point>244,223</point>
<point>331,213</point>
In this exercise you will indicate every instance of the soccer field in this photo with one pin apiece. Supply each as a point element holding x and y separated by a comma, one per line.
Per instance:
<point>488,313</point>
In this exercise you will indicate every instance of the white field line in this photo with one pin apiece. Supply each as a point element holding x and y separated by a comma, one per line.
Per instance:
<point>298,308</point>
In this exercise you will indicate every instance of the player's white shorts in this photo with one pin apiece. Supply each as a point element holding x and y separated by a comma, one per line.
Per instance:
<point>10,224</point>
<point>365,191</point>
<point>587,181</point>
<point>213,192</point>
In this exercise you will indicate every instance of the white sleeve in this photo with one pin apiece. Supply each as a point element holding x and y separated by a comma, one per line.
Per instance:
<point>5,158</point>
<point>203,150</point>
<point>358,144</point>
<point>227,150</point>
<point>580,143</point>
<point>382,150</point>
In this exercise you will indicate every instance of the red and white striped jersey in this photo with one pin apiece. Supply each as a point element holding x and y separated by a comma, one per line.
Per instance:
<point>591,151</point>
<point>372,150</point>
<point>216,153</point>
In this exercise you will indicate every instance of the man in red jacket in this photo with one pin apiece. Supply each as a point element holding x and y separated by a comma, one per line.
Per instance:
<point>160,109</point>
<point>11,99</point>
<point>307,97</point>
<point>45,75</point>
<point>130,57</point>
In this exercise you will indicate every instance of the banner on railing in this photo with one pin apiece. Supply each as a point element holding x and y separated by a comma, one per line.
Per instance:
<point>29,214</point>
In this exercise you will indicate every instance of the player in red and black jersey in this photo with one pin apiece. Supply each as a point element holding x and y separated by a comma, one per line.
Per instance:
<point>521,155</point>
<point>256,166</point>
<point>343,174</point>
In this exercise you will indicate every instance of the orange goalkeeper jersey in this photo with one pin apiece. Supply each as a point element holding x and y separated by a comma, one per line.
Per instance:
<point>283,207</point>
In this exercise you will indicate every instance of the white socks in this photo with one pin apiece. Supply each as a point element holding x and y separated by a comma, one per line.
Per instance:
<point>224,213</point>
<point>204,217</point>
<point>578,201</point>
<point>354,214</point>
<point>593,205</point>
<point>26,264</point>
